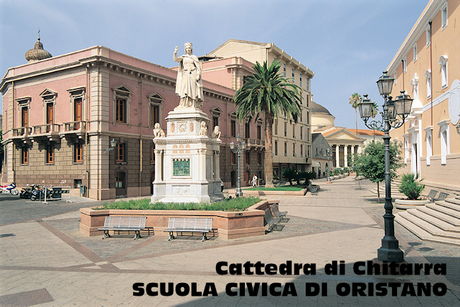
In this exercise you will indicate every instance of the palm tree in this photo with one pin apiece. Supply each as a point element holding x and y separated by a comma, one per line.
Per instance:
<point>354,100</point>
<point>267,92</point>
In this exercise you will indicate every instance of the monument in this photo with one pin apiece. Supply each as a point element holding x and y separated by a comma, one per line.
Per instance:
<point>186,156</point>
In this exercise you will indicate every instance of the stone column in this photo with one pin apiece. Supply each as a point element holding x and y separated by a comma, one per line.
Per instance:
<point>158,165</point>
<point>345,155</point>
<point>216,165</point>
<point>337,155</point>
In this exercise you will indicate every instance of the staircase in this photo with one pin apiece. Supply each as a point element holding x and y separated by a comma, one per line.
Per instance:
<point>437,222</point>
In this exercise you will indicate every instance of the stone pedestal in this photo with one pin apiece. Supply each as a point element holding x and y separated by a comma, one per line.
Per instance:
<point>187,160</point>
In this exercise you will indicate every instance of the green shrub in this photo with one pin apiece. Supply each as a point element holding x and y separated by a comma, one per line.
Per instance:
<point>289,174</point>
<point>233,204</point>
<point>410,186</point>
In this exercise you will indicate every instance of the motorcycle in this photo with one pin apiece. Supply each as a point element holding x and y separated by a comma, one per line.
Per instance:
<point>39,193</point>
<point>9,189</point>
<point>27,191</point>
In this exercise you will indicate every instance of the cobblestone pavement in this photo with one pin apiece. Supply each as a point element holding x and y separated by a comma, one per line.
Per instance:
<point>46,261</point>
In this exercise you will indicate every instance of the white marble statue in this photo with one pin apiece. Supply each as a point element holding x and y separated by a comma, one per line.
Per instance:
<point>216,133</point>
<point>158,132</point>
<point>204,129</point>
<point>189,86</point>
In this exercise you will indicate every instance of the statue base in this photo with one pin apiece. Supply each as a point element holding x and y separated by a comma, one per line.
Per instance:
<point>187,160</point>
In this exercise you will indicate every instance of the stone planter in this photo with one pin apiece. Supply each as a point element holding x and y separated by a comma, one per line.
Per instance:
<point>229,225</point>
<point>409,204</point>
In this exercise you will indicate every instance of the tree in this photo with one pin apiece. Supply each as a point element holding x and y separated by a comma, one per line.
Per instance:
<point>354,100</point>
<point>371,163</point>
<point>267,92</point>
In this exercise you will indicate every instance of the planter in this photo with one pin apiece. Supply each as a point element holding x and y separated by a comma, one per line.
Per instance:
<point>409,204</point>
<point>229,225</point>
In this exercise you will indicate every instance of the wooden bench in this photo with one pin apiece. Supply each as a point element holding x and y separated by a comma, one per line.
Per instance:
<point>432,195</point>
<point>189,224</point>
<point>124,223</point>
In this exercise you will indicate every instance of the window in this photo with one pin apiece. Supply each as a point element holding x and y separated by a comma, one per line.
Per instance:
<point>415,52</point>
<point>152,153</point>
<point>285,149</point>
<point>307,136</point>
<point>276,148</point>
<point>285,128</point>
<point>155,105</point>
<point>301,132</point>
<point>429,147</point>
<point>25,117</point>
<point>248,157</point>
<point>25,156</point>
<point>78,153</point>
<point>215,116</point>
<point>50,154</point>
<point>293,131</point>
<point>121,103</point>
<point>232,157</point>
<point>300,76</point>
<point>293,150</point>
<point>445,148</point>
<point>215,121</point>
<point>247,132</point>
<point>233,128</point>
<point>301,150</point>
<point>121,110</point>
<point>443,63</point>
<point>259,158</point>
<point>77,96</point>
<point>428,83</point>
<point>259,132</point>
<point>120,152</point>
<point>404,63</point>
<point>276,126</point>
<point>444,17</point>
<point>293,75</point>
<point>48,100</point>
<point>308,84</point>
<point>284,70</point>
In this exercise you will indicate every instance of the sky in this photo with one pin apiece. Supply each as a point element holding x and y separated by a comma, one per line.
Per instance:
<point>346,43</point>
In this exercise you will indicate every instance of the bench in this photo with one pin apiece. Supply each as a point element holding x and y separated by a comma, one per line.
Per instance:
<point>313,189</point>
<point>276,212</point>
<point>124,223</point>
<point>270,220</point>
<point>189,224</point>
<point>442,196</point>
<point>432,195</point>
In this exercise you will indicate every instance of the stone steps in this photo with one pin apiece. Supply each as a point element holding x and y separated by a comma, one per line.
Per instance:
<point>437,222</point>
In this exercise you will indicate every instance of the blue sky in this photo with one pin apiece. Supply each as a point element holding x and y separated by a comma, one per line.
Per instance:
<point>347,43</point>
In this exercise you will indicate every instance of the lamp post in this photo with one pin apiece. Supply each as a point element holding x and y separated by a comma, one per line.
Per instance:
<point>238,149</point>
<point>394,114</point>
<point>328,154</point>
<point>113,143</point>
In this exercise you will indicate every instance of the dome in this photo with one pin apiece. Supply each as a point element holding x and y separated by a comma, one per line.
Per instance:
<point>38,53</point>
<point>317,108</point>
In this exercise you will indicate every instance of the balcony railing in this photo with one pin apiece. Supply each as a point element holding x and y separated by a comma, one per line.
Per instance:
<point>254,142</point>
<point>75,126</point>
<point>22,131</point>
<point>47,129</point>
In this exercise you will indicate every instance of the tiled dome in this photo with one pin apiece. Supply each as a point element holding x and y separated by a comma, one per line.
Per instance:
<point>38,53</point>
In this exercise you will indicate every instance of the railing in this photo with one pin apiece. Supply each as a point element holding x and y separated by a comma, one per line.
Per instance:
<point>73,126</point>
<point>22,131</point>
<point>254,142</point>
<point>47,128</point>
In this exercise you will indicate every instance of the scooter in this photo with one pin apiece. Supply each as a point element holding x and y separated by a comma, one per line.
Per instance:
<point>39,193</point>
<point>9,189</point>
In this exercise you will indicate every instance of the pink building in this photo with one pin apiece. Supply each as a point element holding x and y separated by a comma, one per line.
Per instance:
<point>61,113</point>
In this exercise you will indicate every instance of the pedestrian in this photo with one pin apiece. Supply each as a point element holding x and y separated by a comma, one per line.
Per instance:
<point>254,181</point>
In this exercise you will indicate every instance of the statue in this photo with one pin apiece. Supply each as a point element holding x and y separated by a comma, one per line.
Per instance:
<point>189,85</point>
<point>158,132</point>
<point>204,129</point>
<point>216,133</point>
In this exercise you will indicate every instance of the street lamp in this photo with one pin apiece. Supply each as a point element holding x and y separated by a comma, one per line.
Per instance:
<point>394,114</point>
<point>241,147</point>
<point>328,154</point>
<point>113,143</point>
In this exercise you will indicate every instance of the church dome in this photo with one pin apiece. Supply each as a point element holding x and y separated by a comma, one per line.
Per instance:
<point>317,108</point>
<point>38,53</point>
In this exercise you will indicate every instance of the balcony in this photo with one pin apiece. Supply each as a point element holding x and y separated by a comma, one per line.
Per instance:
<point>74,129</point>
<point>255,143</point>
<point>46,131</point>
<point>22,134</point>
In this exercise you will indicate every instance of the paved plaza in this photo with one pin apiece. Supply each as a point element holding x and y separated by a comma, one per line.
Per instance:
<point>46,261</point>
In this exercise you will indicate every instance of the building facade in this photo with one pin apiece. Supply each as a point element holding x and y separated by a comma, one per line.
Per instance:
<point>427,67</point>
<point>61,115</point>
<point>291,141</point>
